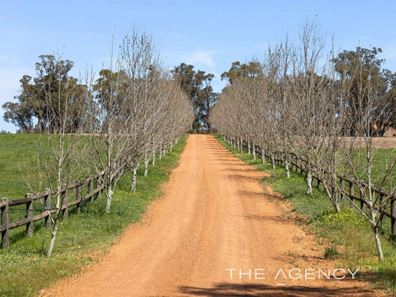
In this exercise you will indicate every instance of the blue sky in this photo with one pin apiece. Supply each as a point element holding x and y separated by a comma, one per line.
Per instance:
<point>208,34</point>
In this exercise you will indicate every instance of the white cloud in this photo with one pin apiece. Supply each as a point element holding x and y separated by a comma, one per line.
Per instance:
<point>200,57</point>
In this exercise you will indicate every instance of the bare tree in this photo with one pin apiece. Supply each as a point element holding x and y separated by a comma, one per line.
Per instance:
<point>154,102</point>
<point>376,191</point>
<point>110,127</point>
<point>303,108</point>
<point>61,154</point>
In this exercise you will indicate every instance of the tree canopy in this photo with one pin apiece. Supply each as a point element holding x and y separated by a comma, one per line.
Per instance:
<point>362,70</point>
<point>39,97</point>
<point>197,85</point>
<point>237,70</point>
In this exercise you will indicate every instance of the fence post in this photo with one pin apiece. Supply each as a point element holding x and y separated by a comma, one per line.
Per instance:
<point>47,206</point>
<point>78,198</point>
<point>65,205</point>
<point>29,215</point>
<point>342,188</point>
<point>393,217</point>
<point>5,234</point>
<point>361,200</point>
<point>98,186</point>
<point>351,189</point>
<point>351,192</point>
<point>90,190</point>
<point>381,200</point>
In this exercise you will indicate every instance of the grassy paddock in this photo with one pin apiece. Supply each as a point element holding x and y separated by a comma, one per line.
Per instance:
<point>381,160</point>
<point>83,238</point>
<point>21,169</point>
<point>345,236</point>
<point>18,153</point>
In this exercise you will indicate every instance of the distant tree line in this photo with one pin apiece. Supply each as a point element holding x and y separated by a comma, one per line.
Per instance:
<point>346,64</point>
<point>35,108</point>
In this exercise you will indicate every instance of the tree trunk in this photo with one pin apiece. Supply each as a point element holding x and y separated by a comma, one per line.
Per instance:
<point>263,155</point>
<point>134,179</point>
<point>309,182</point>
<point>54,232</point>
<point>337,206</point>
<point>59,204</point>
<point>273,161</point>
<point>378,244</point>
<point>287,168</point>
<point>334,197</point>
<point>332,194</point>
<point>55,226</point>
<point>153,158</point>
<point>254,151</point>
<point>146,161</point>
<point>109,197</point>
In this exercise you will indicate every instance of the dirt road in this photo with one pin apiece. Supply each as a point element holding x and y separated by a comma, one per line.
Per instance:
<point>215,219</point>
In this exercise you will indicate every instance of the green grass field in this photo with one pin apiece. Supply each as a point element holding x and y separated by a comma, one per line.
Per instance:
<point>381,160</point>
<point>83,238</point>
<point>20,168</point>
<point>17,158</point>
<point>345,236</point>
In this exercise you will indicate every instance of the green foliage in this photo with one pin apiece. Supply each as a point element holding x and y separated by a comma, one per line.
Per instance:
<point>252,69</point>
<point>347,214</point>
<point>48,97</point>
<point>362,70</point>
<point>331,252</point>
<point>197,86</point>
<point>111,88</point>
<point>25,269</point>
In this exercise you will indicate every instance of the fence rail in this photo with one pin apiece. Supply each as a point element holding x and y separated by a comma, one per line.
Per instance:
<point>348,186</point>
<point>92,186</point>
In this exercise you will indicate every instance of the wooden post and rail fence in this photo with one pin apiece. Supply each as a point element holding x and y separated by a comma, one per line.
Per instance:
<point>75,196</point>
<point>346,186</point>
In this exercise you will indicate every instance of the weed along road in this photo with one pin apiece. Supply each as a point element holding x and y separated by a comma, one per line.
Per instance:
<point>217,231</point>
